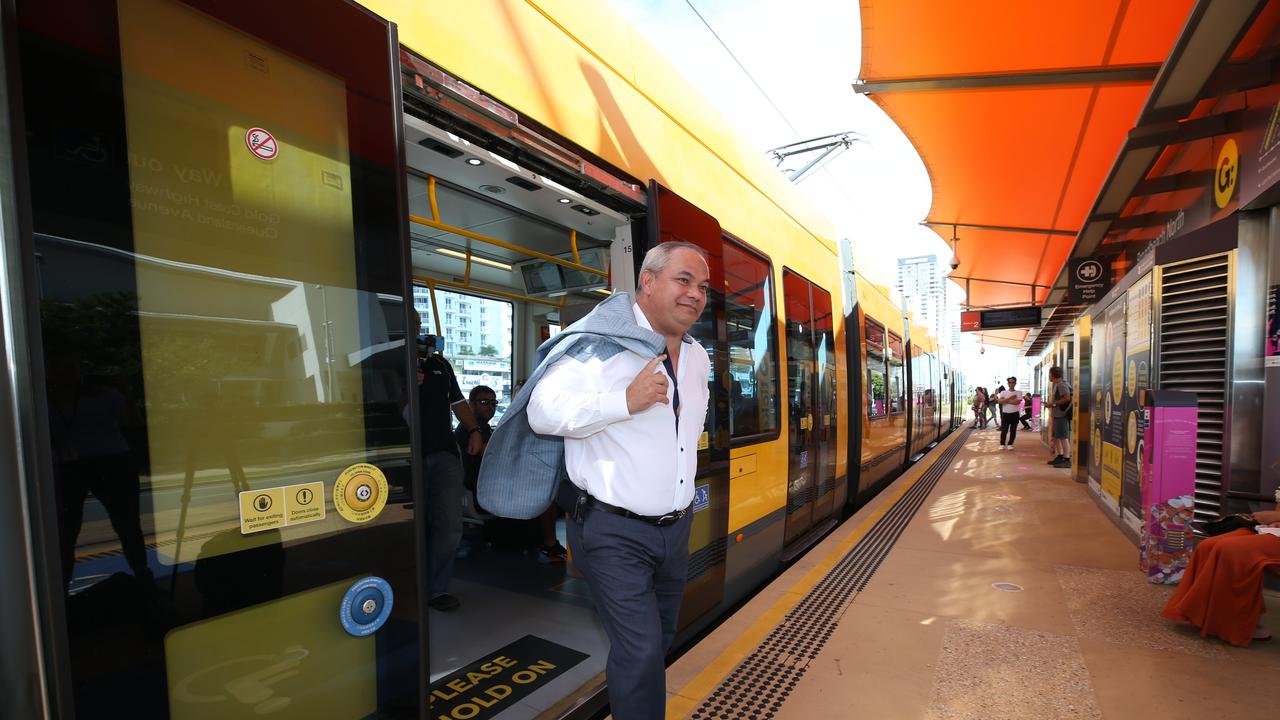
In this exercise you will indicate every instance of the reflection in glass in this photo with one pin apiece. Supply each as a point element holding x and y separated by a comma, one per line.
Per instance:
<point>753,360</point>
<point>897,381</point>
<point>877,390</point>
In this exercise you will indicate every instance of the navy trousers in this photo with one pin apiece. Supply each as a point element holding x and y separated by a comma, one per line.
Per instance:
<point>637,574</point>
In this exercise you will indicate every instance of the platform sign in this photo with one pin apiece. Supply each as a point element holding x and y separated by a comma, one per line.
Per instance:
<point>1019,317</point>
<point>1088,280</point>
<point>1001,319</point>
<point>1137,378</point>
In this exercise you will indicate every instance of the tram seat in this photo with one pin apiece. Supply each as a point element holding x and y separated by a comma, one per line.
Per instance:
<point>471,512</point>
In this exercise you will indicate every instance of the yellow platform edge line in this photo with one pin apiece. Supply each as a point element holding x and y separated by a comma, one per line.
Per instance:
<point>687,698</point>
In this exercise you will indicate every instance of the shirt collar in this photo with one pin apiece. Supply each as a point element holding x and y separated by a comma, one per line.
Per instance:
<point>643,322</point>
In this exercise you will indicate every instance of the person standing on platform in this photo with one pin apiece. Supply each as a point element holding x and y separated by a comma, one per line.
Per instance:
<point>1060,412</point>
<point>438,398</point>
<point>1009,401</point>
<point>631,425</point>
<point>979,407</point>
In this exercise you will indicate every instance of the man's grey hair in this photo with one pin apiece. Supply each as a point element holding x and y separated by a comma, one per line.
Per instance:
<point>659,255</point>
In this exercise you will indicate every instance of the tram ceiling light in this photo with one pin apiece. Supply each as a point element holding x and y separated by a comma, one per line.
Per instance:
<point>564,201</point>
<point>477,162</point>
<point>585,210</point>
<point>474,258</point>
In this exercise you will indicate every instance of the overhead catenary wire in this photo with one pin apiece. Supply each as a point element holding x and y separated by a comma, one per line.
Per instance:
<point>839,186</point>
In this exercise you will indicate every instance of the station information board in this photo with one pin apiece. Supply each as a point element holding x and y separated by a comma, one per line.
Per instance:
<point>1002,319</point>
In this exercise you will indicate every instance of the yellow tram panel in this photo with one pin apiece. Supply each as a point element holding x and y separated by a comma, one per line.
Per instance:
<point>517,53</point>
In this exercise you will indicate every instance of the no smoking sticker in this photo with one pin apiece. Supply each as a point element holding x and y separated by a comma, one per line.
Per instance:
<point>261,143</point>
<point>360,493</point>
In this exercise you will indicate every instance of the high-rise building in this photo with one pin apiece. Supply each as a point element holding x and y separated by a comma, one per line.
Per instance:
<point>921,287</point>
<point>475,336</point>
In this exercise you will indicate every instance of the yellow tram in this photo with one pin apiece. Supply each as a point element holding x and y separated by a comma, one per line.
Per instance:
<point>228,219</point>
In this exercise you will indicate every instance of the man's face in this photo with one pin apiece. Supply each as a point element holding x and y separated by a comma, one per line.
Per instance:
<point>483,406</point>
<point>1012,383</point>
<point>674,298</point>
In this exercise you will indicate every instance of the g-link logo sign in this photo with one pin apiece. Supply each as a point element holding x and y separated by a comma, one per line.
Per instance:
<point>1227,174</point>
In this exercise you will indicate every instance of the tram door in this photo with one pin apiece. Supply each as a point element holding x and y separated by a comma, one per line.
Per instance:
<point>811,404</point>
<point>217,206</point>
<point>672,218</point>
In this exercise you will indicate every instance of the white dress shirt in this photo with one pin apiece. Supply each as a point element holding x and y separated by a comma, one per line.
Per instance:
<point>1010,401</point>
<point>638,462</point>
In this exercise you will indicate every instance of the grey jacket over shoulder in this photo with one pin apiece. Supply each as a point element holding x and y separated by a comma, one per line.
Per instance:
<point>522,469</point>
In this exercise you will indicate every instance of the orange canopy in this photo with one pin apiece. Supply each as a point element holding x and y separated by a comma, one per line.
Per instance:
<point>1018,110</point>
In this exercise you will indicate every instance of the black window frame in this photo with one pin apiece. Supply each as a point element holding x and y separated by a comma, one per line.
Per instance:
<point>776,432</point>
<point>902,367</point>
<point>867,321</point>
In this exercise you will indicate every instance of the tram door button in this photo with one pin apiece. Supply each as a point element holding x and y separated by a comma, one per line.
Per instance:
<point>366,606</point>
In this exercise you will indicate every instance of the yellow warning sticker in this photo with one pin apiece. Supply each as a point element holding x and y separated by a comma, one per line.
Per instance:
<point>261,510</point>
<point>704,441</point>
<point>304,503</point>
<point>271,508</point>
<point>360,493</point>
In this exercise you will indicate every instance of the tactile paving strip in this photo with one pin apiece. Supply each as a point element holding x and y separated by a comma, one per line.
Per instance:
<point>759,686</point>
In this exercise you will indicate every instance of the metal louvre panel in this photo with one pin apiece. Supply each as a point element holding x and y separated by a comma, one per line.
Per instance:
<point>1193,341</point>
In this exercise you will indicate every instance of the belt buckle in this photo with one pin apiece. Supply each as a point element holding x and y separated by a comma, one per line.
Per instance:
<point>670,518</point>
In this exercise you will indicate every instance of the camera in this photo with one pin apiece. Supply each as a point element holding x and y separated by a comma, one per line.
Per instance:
<point>954,262</point>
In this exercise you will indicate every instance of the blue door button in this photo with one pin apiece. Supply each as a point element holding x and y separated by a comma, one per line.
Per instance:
<point>366,606</point>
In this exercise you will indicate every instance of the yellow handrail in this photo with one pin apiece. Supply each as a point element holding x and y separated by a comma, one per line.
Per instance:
<point>435,309</point>
<point>431,284</point>
<point>434,222</point>
<point>506,245</point>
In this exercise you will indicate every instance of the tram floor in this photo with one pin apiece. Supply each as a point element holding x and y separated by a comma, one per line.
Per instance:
<point>1006,594</point>
<point>506,597</point>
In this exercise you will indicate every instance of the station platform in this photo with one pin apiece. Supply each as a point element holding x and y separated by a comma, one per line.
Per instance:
<point>981,584</point>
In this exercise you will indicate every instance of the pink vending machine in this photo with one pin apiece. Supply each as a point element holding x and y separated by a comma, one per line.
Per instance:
<point>1036,409</point>
<point>1168,481</point>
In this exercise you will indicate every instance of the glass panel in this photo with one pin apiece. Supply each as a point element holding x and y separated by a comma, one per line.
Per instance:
<point>483,356</point>
<point>800,381</point>
<point>220,295</point>
<point>897,379</point>
<point>753,347</point>
<point>825,385</point>
<point>877,389</point>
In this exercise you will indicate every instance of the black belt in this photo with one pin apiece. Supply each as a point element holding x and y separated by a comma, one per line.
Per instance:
<point>586,501</point>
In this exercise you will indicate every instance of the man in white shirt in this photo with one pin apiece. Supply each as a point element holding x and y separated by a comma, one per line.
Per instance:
<point>1009,401</point>
<point>631,426</point>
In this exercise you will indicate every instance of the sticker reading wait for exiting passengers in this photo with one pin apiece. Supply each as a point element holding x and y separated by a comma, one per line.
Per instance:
<point>500,679</point>
<point>278,507</point>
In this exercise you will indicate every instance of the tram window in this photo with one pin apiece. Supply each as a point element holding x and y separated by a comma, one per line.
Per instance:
<point>753,344</point>
<point>897,379</point>
<point>480,357</point>
<point>877,387</point>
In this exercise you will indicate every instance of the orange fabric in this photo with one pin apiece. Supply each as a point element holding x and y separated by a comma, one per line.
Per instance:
<point>1221,591</point>
<point>1021,156</point>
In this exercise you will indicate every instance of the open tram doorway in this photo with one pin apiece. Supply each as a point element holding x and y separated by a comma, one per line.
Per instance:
<point>502,259</point>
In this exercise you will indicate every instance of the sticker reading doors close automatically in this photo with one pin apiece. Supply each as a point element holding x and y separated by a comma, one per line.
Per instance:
<point>278,507</point>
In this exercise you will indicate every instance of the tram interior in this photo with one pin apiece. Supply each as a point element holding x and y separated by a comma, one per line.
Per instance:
<point>490,319</point>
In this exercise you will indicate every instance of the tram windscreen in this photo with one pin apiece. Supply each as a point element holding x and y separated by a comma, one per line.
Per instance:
<point>240,186</point>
